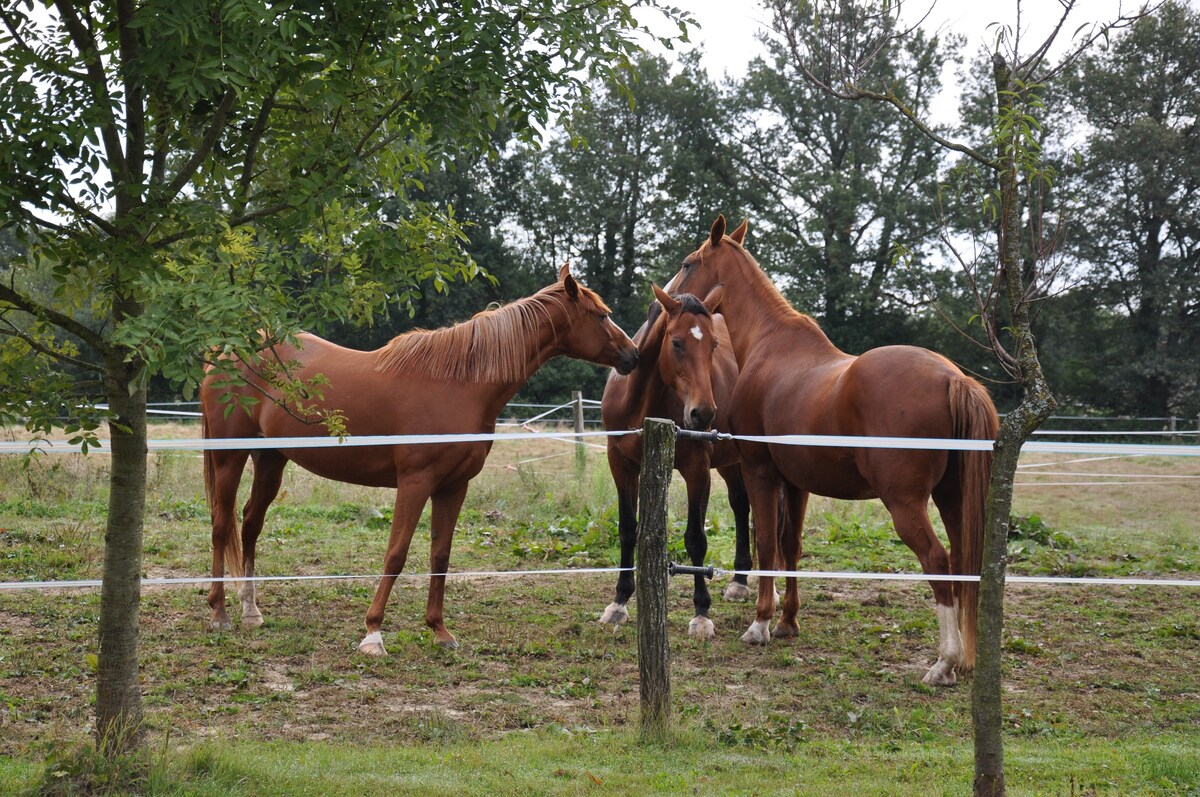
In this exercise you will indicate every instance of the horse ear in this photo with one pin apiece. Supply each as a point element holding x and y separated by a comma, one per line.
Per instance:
<point>569,283</point>
<point>739,234</point>
<point>718,230</point>
<point>668,302</point>
<point>713,300</point>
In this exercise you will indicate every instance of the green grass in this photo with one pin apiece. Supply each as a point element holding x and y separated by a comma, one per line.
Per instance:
<point>562,761</point>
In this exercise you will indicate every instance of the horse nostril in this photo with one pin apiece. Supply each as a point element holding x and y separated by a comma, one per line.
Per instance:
<point>701,418</point>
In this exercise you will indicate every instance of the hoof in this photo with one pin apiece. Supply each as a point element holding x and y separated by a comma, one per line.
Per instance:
<point>372,645</point>
<point>702,628</point>
<point>615,614</point>
<point>220,623</point>
<point>737,592</point>
<point>757,634</point>
<point>940,674</point>
<point>786,631</point>
<point>252,620</point>
<point>448,643</point>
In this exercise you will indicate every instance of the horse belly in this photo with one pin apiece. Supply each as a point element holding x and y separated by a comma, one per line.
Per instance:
<point>369,466</point>
<point>830,472</point>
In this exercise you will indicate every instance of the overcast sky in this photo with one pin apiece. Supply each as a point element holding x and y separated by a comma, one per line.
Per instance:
<point>728,30</point>
<point>728,35</point>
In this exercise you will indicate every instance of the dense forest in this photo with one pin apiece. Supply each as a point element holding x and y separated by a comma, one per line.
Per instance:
<point>863,221</point>
<point>860,218</point>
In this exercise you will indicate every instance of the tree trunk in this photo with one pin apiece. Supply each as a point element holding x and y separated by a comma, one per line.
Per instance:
<point>1036,405</point>
<point>118,692</point>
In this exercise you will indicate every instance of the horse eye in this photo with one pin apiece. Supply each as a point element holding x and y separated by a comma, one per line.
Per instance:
<point>677,345</point>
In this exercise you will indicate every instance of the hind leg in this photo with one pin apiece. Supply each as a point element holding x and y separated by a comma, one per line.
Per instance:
<point>911,519</point>
<point>738,588</point>
<point>268,475</point>
<point>226,468</point>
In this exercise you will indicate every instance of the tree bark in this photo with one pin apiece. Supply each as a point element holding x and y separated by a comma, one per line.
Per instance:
<point>118,691</point>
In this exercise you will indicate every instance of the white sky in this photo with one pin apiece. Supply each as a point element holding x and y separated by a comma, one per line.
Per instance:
<point>728,30</point>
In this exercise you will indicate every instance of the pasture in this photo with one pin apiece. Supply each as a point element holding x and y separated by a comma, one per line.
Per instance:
<point>1102,683</point>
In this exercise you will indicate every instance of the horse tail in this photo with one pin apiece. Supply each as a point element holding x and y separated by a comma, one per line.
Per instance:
<point>232,543</point>
<point>974,418</point>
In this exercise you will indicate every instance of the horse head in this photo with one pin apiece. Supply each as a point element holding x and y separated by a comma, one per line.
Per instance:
<point>685,359</point>
<point>590,333</point>
<point>705,268</point>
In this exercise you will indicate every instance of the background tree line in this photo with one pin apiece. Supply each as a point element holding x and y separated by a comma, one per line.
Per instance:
<point>857,216</point>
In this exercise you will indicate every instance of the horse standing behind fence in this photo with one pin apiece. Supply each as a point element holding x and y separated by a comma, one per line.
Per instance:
<point>686,375</point>
<point>449,381</point>
<point>793,380</point>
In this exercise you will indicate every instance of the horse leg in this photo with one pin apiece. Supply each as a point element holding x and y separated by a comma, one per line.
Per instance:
<point>911,519</point>
<point>268,476</point>
<point>738,588</point>
<point>762,485</point>
<point>793,503</point>
<point>226,469</point>
<point>410,501</point>
<point>443,520</point>
<point>698,478</point>
<point>625,476</point>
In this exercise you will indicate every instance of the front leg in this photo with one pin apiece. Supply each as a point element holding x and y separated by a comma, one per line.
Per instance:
<point>443,520</point>
<point>762,485</point>
<point>625,476</point>
<point>739,586</point>
<point>792,504</point>
<point>698,478</point>
<point>410,502</point>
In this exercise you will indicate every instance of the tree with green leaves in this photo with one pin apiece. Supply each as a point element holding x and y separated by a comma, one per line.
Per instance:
<point>198,179</point>
<point>845,190</point>
<point>623,178</point>
<point>1012,170</point>
<point>1139,225</point>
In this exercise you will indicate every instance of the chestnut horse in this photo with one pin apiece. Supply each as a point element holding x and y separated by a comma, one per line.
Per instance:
<point>793,380</point>
<point>449,381</point>
<point>686,375</point>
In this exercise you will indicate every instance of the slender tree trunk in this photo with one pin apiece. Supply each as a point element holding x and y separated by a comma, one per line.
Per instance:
<point>1036,405</point>
<point>118,692</point>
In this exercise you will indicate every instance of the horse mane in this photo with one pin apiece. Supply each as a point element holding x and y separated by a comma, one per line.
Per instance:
<point>494,345</point>
<point>772,300</point>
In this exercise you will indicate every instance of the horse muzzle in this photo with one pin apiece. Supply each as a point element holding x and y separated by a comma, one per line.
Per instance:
<point>698,419</point>
<point>627,361</point>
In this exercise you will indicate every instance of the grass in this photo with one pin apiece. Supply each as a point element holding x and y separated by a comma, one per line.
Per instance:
<point>1102,685</point>
<point>562,761</point>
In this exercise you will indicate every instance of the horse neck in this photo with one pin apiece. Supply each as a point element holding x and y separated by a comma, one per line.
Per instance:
<point>644,386</point>
<point>540,347</point>
<point>755,311</point>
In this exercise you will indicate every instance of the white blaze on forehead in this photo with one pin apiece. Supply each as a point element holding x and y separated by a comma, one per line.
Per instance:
<point>696,333</point>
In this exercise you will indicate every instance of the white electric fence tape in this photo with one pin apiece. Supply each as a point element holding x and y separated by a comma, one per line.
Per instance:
<point>159,582</point>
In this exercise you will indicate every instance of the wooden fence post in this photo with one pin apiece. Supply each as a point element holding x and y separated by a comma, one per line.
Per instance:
<point>654,652</point>
<point>580,447</point>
